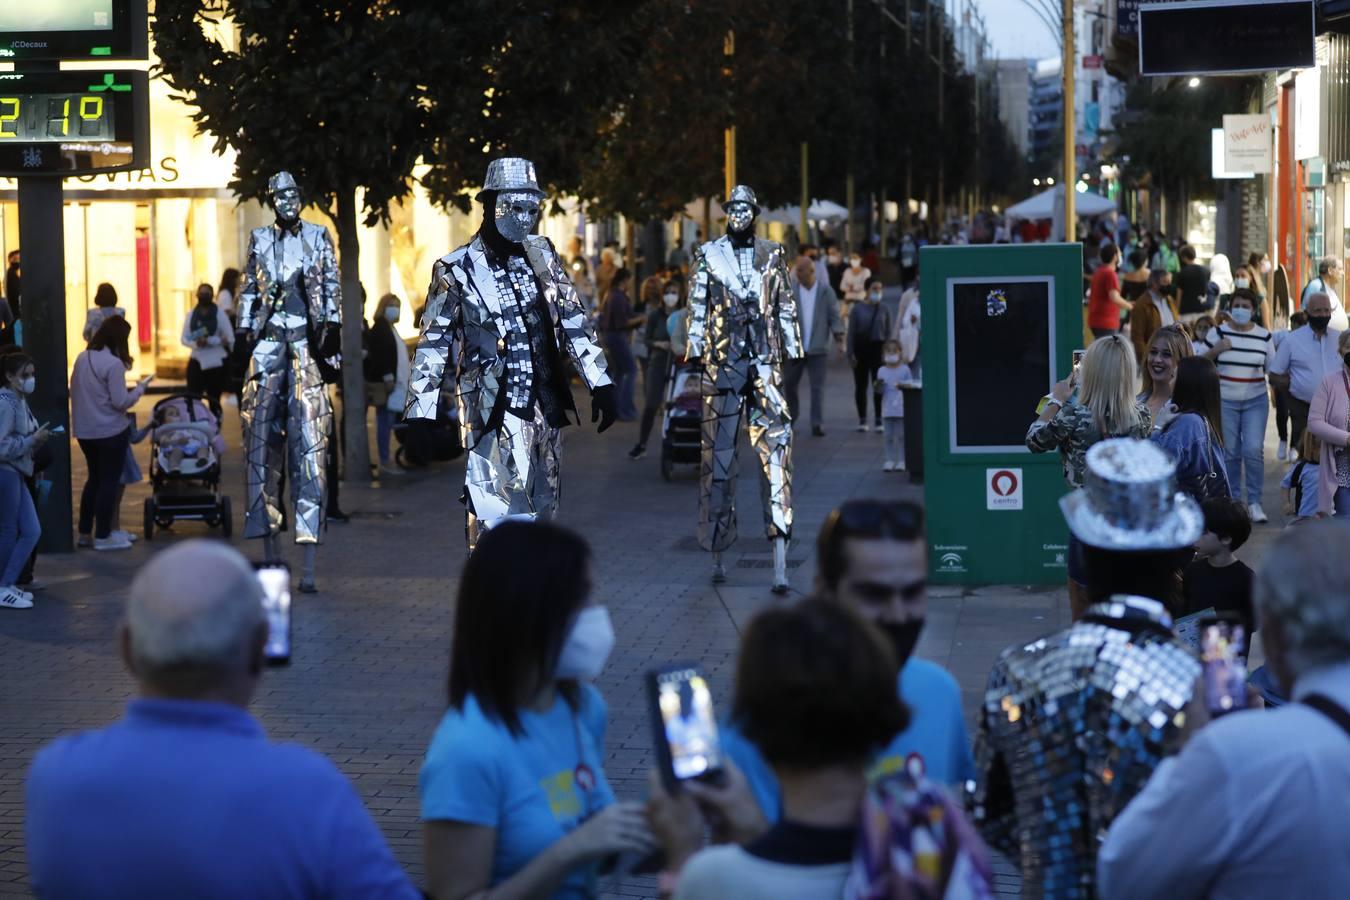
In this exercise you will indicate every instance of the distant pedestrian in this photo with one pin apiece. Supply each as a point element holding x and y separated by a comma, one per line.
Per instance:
<point>1303,359</point>
<point>99,401</point>
<point>890,376</point>
<point>1220,289</point>
<point>1303,482</point>
<point>105,306</point>
<point>1328,277</point>
<point>853,284</point>
<point>207,332</point>
<point>14,284</point>
<point>818,313</point>
<point>1134,283</point>
<point>869,325</point>
<point>1200,328</point>
<point>1152,310</point>
<point>1329,419</point>
<point>909,327</point>
<point>1279,392</point>
<point>1105,302</point>
<point>386,370</point>
<point>228,291</point>
<point>1192,284</point>
<point>617,321</point>
<point>1242,351</point>
<point>20,439</point>
<point>656,336</point>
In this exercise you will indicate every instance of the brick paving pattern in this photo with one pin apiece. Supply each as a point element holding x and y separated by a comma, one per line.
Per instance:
<point>366,685</point>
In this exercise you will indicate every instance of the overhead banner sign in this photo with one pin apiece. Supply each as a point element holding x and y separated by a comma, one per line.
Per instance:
<point>1214,37</point>
<point>1216,158</point>
<point>1307,114</point>
<point>1247,144</point>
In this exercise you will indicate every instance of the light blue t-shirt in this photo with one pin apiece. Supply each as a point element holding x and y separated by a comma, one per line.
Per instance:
<point>524,786</point>
<point>936,733</point>
<point>1309,475</point>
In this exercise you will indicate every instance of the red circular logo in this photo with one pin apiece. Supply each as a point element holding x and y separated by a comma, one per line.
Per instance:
<point>1004,483</point>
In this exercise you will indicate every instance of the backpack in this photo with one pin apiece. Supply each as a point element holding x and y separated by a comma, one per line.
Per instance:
<point>1297,478</point>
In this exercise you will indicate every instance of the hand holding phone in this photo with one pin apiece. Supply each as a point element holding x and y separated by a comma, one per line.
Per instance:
<point>687,740</point>
<point>1223,656</point>
<point>275,580</point>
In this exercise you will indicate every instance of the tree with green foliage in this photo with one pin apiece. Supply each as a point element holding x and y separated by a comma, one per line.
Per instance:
<point>330,91</point>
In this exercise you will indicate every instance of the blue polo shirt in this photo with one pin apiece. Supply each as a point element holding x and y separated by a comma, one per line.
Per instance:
<point>936,734</point>
<point>185,798</point>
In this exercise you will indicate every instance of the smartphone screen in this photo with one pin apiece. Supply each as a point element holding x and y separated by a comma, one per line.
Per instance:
<point>275,579</point>
<point>1222,649</point>
<point>1078,358</point>
<point>685,722</point>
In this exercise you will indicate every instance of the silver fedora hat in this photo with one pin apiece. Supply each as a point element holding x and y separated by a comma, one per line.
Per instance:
<point>1130,500</point>
<point>510,173</point>
<point>741,193</point>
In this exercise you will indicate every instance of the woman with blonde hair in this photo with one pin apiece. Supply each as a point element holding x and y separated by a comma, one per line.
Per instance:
<point>1095,403</point>
<point>1169,346</point>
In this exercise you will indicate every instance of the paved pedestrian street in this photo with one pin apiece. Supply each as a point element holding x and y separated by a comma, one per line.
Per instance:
<point>367,682</point>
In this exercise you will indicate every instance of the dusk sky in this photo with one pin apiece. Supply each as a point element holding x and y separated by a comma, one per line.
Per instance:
<point>1014,30</point>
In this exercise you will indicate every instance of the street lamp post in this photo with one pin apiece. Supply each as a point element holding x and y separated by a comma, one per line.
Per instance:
<point>1069,175</point>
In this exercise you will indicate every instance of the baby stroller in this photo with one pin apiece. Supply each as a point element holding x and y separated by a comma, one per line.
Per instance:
<point>682,426</point>
<point>442,440</point>
<point>185,450</point>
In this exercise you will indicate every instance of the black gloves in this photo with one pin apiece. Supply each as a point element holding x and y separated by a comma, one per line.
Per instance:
<point>604,406</point>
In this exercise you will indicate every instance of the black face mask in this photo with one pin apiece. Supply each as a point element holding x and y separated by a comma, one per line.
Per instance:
<point>903,636</point>
<point>1319,323</point>
<point>1346,357</point>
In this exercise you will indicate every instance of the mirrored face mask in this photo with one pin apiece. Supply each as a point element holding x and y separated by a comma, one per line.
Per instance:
<point>516,214</point>
<point>740,216</point>
<point>286,202</point>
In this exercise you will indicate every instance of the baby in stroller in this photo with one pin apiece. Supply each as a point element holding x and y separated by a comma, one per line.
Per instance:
<point>185,435</point>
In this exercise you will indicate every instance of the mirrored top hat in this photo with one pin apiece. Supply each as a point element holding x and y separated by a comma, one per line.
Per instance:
<point>741,194</point>
<point>510,173</point>
<point>281,181</point>
<point>1130,501</point>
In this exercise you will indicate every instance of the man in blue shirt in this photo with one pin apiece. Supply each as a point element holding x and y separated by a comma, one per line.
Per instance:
<point>873,555</point>
<point>185,796</point>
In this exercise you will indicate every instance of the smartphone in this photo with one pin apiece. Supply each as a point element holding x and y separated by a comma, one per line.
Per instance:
<point>59,429</point>
<point>275,579</point>
<point>687,740</point>
<point>1223,654</point>
<point>1078,358</point>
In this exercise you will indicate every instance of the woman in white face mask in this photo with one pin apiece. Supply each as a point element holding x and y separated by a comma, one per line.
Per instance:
<point>657,337</point>
<point>386,370</point>
<point>513,794</point>
<point>1242,350</point>
<point>20,438</point>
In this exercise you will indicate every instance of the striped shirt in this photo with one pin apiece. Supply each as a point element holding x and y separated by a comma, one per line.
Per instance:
<point>1242,367</point>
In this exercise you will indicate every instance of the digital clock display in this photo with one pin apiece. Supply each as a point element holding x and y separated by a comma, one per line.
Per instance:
<point>55,118</point>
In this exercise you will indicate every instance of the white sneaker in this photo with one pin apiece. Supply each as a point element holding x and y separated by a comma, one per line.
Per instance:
<point>1283,452</point>
<point>1258,514</point>
<point>862,427</point>
<point>888,467</point>
<point>13,598</point>
<point>111,542</point>
<point>124,535</point>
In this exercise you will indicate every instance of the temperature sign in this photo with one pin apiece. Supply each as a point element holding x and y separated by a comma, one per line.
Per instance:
<point>73,122</point>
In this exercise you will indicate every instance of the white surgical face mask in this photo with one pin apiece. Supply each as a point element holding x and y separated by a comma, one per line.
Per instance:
<point>1241,282</point>
<point>855,263</point>
<point>391,313</point>
<point>1241,314</point>
<point>875,296</point>
<point>671,300</point>
<point>588,645</point>
<point>28,385</point>
<point>892,359</point>
<point>1265,266</point>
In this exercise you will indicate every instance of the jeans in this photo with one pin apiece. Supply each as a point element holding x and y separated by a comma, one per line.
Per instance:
<point>1244,438</point>
<point>866,361</point>
<point>1281,400</point>
<point>384,427</point>
<point>658,376</point>
<point>814,367</point>
<point>105,458</point>
<point>895,438</point>
<point>1341,503</point>
<point>19,528</point>
<point>623,369</point>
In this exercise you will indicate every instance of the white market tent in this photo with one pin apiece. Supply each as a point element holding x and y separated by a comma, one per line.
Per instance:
<point>1049,204</point>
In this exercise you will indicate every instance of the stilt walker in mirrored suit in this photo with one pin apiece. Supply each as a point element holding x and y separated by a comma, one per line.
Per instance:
<point>290,312</point>
<point>742,325</point>
<point>501,314</point>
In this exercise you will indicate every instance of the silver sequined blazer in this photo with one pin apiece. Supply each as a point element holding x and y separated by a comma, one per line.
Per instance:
<point>719,329</point>
<point>318,261</point>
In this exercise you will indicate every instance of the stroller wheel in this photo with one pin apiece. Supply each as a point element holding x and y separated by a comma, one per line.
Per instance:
<point>667,466</point>
<point>149,518</point>
<point>226,518</point>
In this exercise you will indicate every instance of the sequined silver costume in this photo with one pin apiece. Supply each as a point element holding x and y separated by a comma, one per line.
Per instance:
<point>743,324</point>
<point>497,326</point>
<point>290,299</point>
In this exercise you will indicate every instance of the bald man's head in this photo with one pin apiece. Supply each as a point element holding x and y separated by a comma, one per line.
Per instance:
<point>194,622</point>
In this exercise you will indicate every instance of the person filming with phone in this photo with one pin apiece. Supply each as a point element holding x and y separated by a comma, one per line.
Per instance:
<point>1254,804</point>
<point>185,796</point>
<point>515,802</point>
<point>99,400</point>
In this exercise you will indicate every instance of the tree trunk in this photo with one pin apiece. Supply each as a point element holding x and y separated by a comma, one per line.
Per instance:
<point>356,468</point>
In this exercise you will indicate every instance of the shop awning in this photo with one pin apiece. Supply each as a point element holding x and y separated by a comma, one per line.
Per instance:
<point>1049,203</point>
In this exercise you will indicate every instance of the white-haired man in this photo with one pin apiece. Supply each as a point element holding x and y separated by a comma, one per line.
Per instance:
<point>1255,804</point>
<point>185,796</point>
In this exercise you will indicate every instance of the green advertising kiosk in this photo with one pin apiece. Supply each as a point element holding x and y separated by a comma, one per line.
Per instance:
<point>1000,324</point>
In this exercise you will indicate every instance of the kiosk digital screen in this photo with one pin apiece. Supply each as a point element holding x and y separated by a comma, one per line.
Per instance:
<point>1001,334</point>
<point>71,123</point>
<point>73,29</point>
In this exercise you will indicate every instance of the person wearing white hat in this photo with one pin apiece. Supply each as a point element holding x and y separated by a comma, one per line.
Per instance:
<point>742,326</point>
<point>501,316</point>
<point>1074,723</point>
<point>290,314</point>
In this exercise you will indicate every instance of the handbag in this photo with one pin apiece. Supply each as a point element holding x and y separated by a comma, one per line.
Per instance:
<point>1208,484</point>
